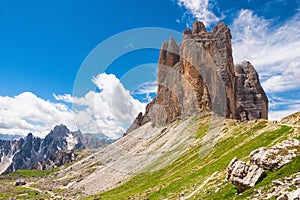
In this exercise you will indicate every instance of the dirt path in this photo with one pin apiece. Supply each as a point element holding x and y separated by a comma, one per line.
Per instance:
<point>200,187</point>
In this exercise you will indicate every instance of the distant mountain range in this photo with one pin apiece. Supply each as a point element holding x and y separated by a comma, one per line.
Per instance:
<point>59,147</point>
<point>9,137</point>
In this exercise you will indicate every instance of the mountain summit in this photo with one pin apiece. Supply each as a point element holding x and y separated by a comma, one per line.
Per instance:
<point>56,149</point>
<point>199,74</point>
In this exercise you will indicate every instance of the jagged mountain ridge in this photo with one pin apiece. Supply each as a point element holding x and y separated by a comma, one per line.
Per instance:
<point>32,152</point>
<point>199,74</point>
<point>57,148</point>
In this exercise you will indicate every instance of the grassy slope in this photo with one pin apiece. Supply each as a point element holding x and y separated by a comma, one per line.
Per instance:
<point>32,173</point>
<point>189,171</point>
<point>8,189</point>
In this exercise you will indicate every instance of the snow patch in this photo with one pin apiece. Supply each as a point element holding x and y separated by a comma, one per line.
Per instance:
<point>71,141</point>
<point>5,163</point>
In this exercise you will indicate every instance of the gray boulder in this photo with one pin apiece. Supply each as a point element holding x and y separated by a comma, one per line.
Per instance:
<point>275,157</point>
<point>242,175</point>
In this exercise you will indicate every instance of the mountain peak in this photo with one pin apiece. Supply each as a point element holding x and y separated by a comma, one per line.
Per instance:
<point>60,129</point>
<point>198,27</point>
<point>200,75</point>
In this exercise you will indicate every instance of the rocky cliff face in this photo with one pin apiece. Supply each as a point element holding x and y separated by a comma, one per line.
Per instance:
<point>199,74</point>
<point>56,149</point>
<point>252,102</point>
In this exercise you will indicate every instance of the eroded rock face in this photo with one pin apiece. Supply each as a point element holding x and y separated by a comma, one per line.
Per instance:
<point>199,74</point>
<point>252,102</point>
<point>242,175</point>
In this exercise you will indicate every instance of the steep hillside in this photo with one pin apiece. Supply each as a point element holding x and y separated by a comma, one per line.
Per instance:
<point>192,176</point>
<point>183,160</point>
<point>293,119</point>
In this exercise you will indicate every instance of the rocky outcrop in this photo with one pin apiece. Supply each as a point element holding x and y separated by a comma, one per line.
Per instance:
<point>57,159</point>
<point>244,175</point>
<point>275,157</point>
<point>252,102</point>
<point>285,188</point>
<point>199,75</point>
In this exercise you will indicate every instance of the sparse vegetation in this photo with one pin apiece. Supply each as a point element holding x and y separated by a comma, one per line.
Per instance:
<point>189,171</point>
<point>32,173</point>
<point>7,190</point>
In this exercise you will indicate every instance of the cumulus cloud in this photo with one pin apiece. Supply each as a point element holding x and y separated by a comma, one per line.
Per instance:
<point>201,9</point>
<point>109,111</point>
<point>274,51</point>
<point>26,113</point>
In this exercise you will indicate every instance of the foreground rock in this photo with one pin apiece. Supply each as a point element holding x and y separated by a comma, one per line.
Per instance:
<point>199,75</point>
<point>275,157</point>
<point>245,176</point>
<point>284,188</point>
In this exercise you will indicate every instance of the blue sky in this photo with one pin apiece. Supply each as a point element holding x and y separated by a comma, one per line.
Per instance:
<point>45,43</point>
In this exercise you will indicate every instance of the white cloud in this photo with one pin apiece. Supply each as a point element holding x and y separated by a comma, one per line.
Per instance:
<point>279,114</point>
<point>146,89</point>
<point>272,48</point>
<point>274,51</point>
<point>26,113</point>
<point>69,99</point>
<point>129,46</point>
<point>109,111</point>
<point>280,107</point>
<point>201,9</point>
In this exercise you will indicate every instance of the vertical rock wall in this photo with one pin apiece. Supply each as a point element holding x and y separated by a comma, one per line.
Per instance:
<point>199,74</point>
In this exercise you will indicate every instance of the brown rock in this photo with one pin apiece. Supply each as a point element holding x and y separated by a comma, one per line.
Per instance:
<point>199,75</point>
<point>224,63</point>
<point>198,27</point>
